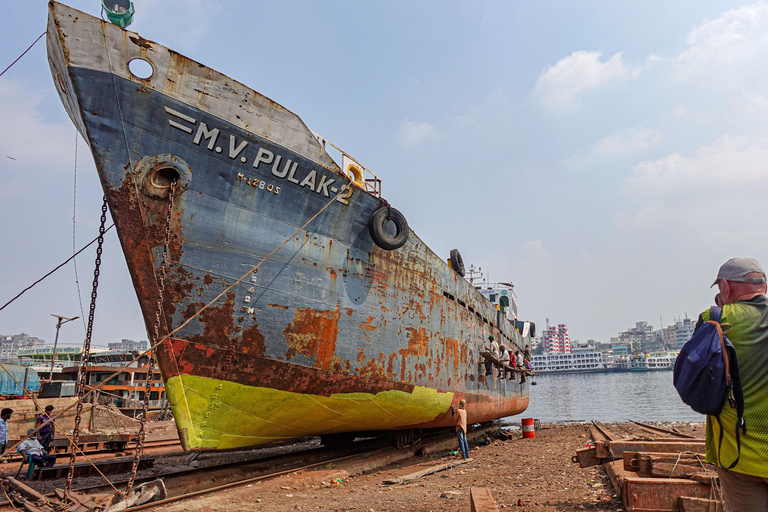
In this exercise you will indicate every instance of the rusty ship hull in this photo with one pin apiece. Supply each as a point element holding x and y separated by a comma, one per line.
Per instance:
<point>332,333</point>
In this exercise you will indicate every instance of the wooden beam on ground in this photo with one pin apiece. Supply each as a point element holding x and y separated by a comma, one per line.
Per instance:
<point>700,505</point>
<point>618,447</point>
<point>640,462</point>
<point>481,500</point>
<point>674,433</point>
<point>425,472</point>
<point>585,457</point>
<point>652,494</point>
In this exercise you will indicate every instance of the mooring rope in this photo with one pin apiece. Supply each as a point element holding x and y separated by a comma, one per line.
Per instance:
<point>22,292</point>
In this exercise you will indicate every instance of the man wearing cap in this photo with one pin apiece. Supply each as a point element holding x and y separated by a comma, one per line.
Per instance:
<point>461,427</point>
<point>742,286</point>
<point>31,445</point>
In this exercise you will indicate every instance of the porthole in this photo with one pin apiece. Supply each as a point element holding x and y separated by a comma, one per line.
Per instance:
<point>141,68</point>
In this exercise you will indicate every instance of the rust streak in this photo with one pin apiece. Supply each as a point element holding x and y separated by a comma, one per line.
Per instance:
<point>367,325</point>
<point>313,333</point>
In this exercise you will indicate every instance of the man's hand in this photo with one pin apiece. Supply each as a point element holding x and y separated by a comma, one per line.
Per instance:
<point>453,410</point>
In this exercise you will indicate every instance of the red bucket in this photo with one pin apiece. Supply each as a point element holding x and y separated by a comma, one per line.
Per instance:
<point>528,430</point>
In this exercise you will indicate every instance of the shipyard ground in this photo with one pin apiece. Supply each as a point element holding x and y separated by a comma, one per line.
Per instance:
<point>521,474</point>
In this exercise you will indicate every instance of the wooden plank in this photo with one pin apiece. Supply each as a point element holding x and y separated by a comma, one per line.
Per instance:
<point>687,504</point>
<point>652,494</point>
<point>425,472</point>
<point>640,461</point>
<point>652,428</point>
<point>586,457</point>
<point>619,447</point>
<point>669,470</point>
<point>481,500</point>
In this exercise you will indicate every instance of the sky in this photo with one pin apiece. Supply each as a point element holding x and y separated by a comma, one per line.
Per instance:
<point>605,157</point>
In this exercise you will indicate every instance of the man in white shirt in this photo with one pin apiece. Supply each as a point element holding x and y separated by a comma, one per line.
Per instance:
<point>5,415</point>
<point>503,361</point>
<point>494,348</point>
<point>31,445</point>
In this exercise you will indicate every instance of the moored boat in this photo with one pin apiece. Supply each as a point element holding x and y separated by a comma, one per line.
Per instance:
<point>297,300</point>
<point>580,360</point>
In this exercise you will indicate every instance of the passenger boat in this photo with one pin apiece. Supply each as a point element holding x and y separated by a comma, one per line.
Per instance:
<point>579,360</point>
<point>335,316</point>
<point>661,360</point>
<point>653,361</point>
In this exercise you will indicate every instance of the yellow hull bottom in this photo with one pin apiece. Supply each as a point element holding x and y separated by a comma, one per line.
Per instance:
<point>214,414</point>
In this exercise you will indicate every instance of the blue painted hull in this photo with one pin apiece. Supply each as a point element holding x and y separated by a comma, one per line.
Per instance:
<point>328,315</point>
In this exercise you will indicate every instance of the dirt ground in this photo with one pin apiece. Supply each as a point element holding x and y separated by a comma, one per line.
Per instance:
<point>521,474</point>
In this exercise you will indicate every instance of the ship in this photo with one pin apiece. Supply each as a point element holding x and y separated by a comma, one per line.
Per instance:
<point>655,361</point>
<point>579,360</point>
<point>296,300</point>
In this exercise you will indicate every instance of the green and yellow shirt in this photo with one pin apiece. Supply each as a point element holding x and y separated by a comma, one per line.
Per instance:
<point>749,336</point>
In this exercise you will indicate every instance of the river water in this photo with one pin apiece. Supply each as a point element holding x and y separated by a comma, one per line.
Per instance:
<point>608,397</point>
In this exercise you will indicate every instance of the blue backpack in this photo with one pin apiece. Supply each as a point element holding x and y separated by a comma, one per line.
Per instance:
<point>707,372</point>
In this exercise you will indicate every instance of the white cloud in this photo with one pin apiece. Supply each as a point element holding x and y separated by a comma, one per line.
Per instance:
<point>723,183</point>
<point>727,50</point>
<point>629,140</point>
<point>559,86</point>
<point>413,133</point>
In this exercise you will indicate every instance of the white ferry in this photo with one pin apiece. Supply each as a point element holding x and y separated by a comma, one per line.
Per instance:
<point>580,360</point>
<point>654,361</point>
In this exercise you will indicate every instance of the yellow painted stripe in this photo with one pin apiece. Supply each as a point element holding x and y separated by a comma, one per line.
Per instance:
<point>217,414</point>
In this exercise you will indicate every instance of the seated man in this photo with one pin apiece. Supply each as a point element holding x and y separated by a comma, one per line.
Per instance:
<point>31,445</point>
<point>494,349</point>
<point>521,366</point>
<point>511,366</point>
<point>503,360</point>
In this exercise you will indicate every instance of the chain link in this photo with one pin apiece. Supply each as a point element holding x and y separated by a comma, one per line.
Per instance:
<point>81,375</point>
<point>158,322</point>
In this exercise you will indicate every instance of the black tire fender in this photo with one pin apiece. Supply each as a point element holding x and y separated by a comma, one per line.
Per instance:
<point>457,262</point>
<point>378,223</point>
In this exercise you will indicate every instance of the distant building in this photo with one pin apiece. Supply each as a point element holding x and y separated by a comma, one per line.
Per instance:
<point>683,331</point>
<point>640,338</point>
<point>621,350</point>
<point>129,346</point>
<point>556,339</point>
<point>10,345</point>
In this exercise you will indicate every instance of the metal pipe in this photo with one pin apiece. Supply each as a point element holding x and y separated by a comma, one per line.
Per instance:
<point>61,320</point>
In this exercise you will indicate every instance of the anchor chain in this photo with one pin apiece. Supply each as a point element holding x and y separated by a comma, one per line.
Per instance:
<point>81,375</point>
<point>158,321</point>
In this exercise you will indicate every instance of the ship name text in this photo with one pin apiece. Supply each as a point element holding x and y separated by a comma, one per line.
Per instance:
<point>261,158</point>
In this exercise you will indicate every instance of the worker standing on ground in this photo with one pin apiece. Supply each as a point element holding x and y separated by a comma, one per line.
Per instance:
<point>461,427</point>
<point>5,415</point>
<point>46,431</point>
<point>742,285</point>
<point>31,445</point>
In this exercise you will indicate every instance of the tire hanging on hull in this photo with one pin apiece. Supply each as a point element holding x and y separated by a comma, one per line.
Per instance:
<point>457,262</point>
<point>378,228</point>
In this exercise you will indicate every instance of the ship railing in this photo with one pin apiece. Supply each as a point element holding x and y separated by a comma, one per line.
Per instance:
<point>361,176</point>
